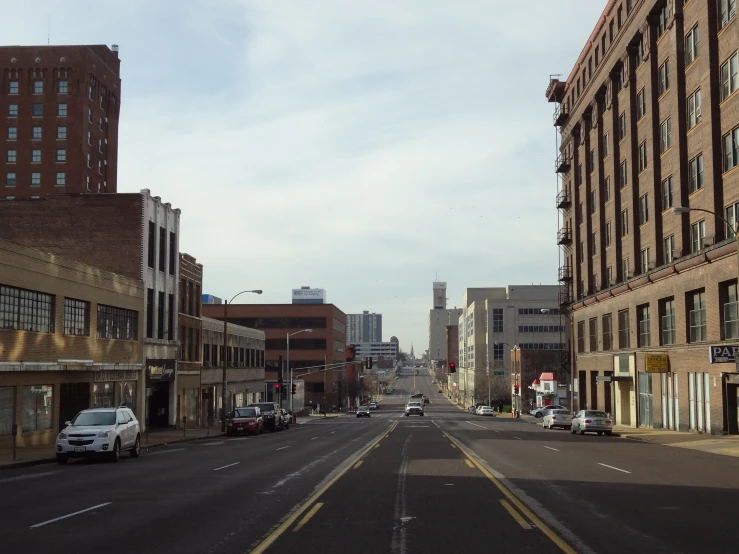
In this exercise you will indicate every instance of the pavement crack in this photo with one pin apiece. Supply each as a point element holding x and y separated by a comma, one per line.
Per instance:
<point>398,543</point>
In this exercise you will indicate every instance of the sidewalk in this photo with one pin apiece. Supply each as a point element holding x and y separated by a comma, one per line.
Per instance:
<point>42,454</point>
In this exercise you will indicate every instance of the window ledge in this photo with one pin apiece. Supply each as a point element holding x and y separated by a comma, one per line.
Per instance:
<point>691,64</point>
<point>693,128</point>
<point>663,154</point>
<point>695,193</point>
<point>728,98</point>
<point>732,170</point>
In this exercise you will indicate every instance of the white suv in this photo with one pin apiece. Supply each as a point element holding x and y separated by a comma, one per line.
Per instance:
<point>100,431</point>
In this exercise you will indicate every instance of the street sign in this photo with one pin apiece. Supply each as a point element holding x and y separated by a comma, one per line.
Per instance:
<point>499,372</point>
<point>656,363</point>
<point>606,378</point>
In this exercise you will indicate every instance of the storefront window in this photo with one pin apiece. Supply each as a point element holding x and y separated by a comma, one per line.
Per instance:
<point>37,407</point>
<point>7,408</point>
<point>127,394</point>
<point>192,405</point>
<point>103,395</point>
<point>239,401</point>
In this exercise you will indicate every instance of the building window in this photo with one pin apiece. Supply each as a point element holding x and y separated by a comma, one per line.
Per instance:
<point>667,321</point>
<point>10,179</point>
<point>61,155</point>
<point>642,156</point>
<point>580,337</point>
<point>38,409</point>
<point>36,156</point>
<point>89,115</point>
<point>594,244</point>
<point>620,78</point>
<point>622,126</point>
<point>172,252</point>
<point>89,92</point>
<point>669,248</point>
<point>26,310</point>
<point>12,156</point>
<point>38,110</point>
<point>100,169</point>
<point>152,245</point>
<point>593,328</point>
<point>731,149</point>
<point>61,110</point>
<point>643,209</point>
<point>170,318</point>
<point>13,87</point>
<point>696,173</point>
<point>88,160</point>
<point>100,123</point>
<point>726,12</point>
<point>696,303</point>
<point>12,133</point>
<point>580,252</point>
<point>619,17</point>
<point>87,182</point>
<point>641,104</point>
<point>100,145</point>
<point>580,213</point>
<point>593,202</point>
<point>697,235</point>
<point>35,179</point>
<point>149,313</point>
<point>38,87</point>
<point>667,193</point>
<point>76,317</point>
<point>61,133</point>
<point>665,142</point>
<point>663,83</point>
<point>591,160</point>
<point>692,42</point>
<point>497,320</point>
<point>731,215</point>
<point>12,110</point>
<point>607,332</point>
<point>662,21</point>
<point>63,87</point>
<point>623,329</point>
<point>36,133</point>
<point>642,314</point>
<point>497,351</point>
<point>729,314</point>
<point>61,179</point>
<point>694,109</point>
<point>162,247</point>
<point>729,75</point>
<point>89,138</point>
<point>606,145</point>
<point>624,222</point>
<point>578,175</point>
<point>609,275</point>
<point>645,260</point>
<point>607,189</point>
<point>623,174</point>
<point>608,234</point>
<point>160,315</point>
<point>639,56</point>
<point>117,323</point>
<point>625,268</point>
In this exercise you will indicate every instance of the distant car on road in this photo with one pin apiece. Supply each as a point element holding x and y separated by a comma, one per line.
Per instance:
<point>363,411</point>
<point>591,421</point>
<point>485,411</point>
<point>100,431</point>
<point>414,407</point>
<point>417,395</point>
<point>245,420</point>
<point>426,399</point>
<point>272,415</point>
<point>373,405</point>
<point>539,412</point>
<point>557,418</point>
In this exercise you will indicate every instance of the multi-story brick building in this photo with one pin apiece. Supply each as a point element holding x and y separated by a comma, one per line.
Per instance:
<point>132,234</point>
<point>70,339</point>
<point>310,353</point>
<point>652,290</point>
<point>190,323</point>
<point>59,108</point>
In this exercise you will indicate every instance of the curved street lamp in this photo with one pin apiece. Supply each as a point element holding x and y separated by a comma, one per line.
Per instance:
<point>224,359</point>
<point>288,362</point>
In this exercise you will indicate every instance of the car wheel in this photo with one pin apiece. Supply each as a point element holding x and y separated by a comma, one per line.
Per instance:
<point>136,450</point>
<point>116,454</point>
<point>600,433</point>
<point>538,414</point>
<point>609,433</point>
<point>406,415</point>
<point>358,416</point>
<point>62,459</point>
<point>572,430</point>
<point>581,432</point>
<point>422,415</point>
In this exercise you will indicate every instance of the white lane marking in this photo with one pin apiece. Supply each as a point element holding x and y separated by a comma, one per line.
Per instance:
<point>437,425</point>
<point>301,471</point>
<point>496,430</point>
<point>550,448</point>
<point>476,425</point>
<point>165,451</point>
<point>283,447</point>
<point>211,443</point>
<point>24,477</point>
<point>616,468</point>
<point>314,438</point>
<point>224,467</point>
<point>518,438</point>
<point>332,432</point>
<point>398,542</point>
<point>448,484</point>
<point>413,426</point>
<point>70,515</point>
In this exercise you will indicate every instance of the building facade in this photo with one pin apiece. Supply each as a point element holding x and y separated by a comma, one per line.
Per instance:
<point>307,295</point>
<point>190,360</point>
<point>438,321</point>
<point>376,350</point>
<point>364,327</point>
<point>60,107</point>
<point>648,196</point>
<point>318,357</point>
<point>70,339</point>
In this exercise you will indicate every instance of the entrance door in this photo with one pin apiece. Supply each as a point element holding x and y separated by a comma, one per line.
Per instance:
<point>159,405</point>
<point>607,393</point>
<point>73,398</point>
<point>582,390</point>
<point>593,390</point>
<point>646,414</point>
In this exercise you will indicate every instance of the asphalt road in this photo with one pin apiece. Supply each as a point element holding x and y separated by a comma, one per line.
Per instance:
<point>446,482</point>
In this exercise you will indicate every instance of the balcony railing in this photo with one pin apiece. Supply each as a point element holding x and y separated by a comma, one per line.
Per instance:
<point>564,236</point>
<point>564,199</point>
<point>561,113</point>
<point>563,164</point>
<point>565,273</point>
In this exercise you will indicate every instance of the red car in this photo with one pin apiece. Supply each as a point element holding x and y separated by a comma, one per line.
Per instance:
<point>245,420</point>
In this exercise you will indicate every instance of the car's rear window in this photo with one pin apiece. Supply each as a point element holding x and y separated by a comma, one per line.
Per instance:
<point>562,412</point>
<point>596,414</point>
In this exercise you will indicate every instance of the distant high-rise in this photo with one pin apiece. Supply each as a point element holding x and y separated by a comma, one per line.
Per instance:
<point>439,295</point>
<point>307,295</point>
<point>364,327</point>
<point>59,107</point>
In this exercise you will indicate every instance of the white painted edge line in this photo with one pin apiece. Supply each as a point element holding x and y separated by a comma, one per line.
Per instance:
<point>616,468</point>
<point>283,447</point>
<point>518,438</point>
<point>224,467</point>
<point>29,476</point>
<point>168,451</point>
<point>476,425</point>
<point>70,515</point>
<point>550,448</point>
<point>314,438</point>
<point>437,425</point>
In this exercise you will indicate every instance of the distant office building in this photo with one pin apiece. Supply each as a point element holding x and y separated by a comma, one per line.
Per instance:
<point>438,321</point>
<point>210,299</point>
<point>364,327</point>
<point>439,295</point>
<point>396,341</point>
<point>307,295</point>
<point>376,349</point>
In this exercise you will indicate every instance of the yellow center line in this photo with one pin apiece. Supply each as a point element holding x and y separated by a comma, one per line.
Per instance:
<point>556,539</point>
<point>514,514</point>
<point>453,445</point>
<point>469,463</point>
<point>359,463</point>
<point>307,516</point>
<point>377,445</point>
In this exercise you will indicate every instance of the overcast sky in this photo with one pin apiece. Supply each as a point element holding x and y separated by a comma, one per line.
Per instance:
<point>361,147</point>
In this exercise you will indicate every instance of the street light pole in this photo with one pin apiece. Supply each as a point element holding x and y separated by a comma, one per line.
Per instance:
<point>224,357</point>
<point>290,369</point>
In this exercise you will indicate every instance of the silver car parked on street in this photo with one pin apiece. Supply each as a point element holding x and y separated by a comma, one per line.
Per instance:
<point>591,421</point>
<point>557,418</point>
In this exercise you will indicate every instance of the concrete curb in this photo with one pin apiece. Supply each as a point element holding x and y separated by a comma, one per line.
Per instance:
<point>29,463</point>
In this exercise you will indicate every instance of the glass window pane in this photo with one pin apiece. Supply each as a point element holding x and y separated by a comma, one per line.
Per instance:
<point>37,408</point>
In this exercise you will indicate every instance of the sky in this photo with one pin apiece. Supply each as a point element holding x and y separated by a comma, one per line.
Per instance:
<point>361,147</point>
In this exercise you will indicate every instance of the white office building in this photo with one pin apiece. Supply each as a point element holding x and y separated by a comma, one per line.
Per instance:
<point>376,349</point>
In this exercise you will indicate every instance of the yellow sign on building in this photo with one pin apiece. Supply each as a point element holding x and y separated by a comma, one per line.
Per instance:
<point>656,363</point>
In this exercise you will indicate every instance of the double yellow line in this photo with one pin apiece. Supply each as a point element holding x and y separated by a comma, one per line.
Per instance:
<point>312,501</point>
<point>512,500</point>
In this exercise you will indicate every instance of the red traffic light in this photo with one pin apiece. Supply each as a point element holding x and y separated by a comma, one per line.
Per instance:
<point>452,367</point>
<point>277,386</point>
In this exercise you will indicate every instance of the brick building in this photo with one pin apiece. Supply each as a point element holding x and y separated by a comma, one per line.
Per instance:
<point>190,324</point>
<point>310,353</point>
<point>70,339</point>
<point>134,235</point>
<point>59,108</point>
<point>653,293</point>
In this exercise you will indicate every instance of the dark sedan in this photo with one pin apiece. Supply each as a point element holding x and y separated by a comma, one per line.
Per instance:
<point>363,411</point>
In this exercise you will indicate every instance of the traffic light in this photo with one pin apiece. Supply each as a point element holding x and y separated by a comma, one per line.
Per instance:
<point>295,388</point>
<point>452,367</point>
<point>277,387</point>
<point>368,361</point>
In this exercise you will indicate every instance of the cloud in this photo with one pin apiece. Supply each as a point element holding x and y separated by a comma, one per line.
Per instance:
<point>361,147</point>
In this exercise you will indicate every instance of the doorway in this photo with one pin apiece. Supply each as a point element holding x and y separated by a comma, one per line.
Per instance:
<point>593,390</point>
<point>582,390</point>
<point>73,398</point>
<point>646,413</point>
<point>159,405</point>
<point>607,392</point>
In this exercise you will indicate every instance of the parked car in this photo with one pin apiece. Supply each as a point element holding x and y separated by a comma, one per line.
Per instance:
<point>373,405</point>
<point>557,418</point>
<point>440,391</point>
<point>472,410</point>
<point>272,416</point>
<point>426,399</point>
<point>414,407</point>
<point>539,412</point>
<point>485,411</point>
<point>245,420</point>
<point>417,395</point>
<point>99,431</point>
<point>591,421</point>
<point>363,411</point>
